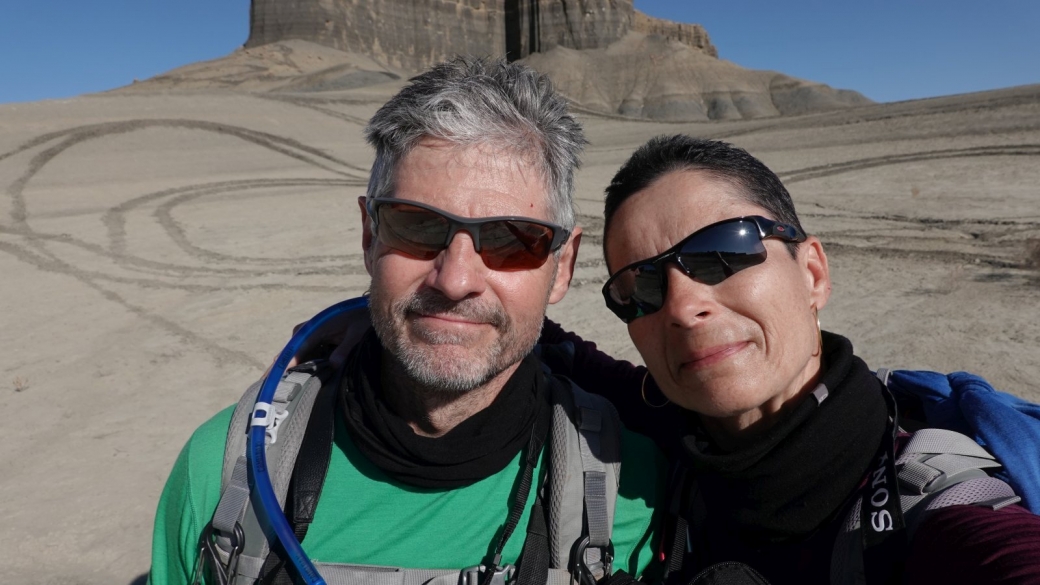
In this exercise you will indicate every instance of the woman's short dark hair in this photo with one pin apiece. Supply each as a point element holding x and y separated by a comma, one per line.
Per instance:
<point>664,154</point>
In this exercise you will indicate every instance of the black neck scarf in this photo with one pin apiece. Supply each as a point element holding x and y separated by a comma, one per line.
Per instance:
<point>477,448</point>
<point>798,476</point>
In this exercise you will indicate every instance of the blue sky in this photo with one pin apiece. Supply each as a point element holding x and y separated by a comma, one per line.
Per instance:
<point>889,50</point>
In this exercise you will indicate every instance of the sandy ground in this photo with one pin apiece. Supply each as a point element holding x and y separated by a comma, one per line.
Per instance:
<point>155,251</point>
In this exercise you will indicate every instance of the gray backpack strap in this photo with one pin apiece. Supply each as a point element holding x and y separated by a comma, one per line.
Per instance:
<point>235,523</point>
<point>584,460</point>
<point>937,468</point>
<point>883,375</point>
<point>585,467</point>
<point>349,574</point>
<point>935,459</point>
<point>238,431</point>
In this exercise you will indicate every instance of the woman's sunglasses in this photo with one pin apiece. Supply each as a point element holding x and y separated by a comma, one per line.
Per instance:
<point>504,243</point>
<point>709,255</point>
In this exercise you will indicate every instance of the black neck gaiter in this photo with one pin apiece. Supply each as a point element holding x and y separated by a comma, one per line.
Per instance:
<point>798,475</point>
<point>477,448</point>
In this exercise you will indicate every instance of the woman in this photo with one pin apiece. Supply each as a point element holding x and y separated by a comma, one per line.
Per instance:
<point>774,426</point>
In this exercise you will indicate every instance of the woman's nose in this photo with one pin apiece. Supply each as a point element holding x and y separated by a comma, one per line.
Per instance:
<point>687,301</point>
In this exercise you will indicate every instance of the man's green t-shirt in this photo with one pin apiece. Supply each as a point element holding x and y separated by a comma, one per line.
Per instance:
<point>365,517</point>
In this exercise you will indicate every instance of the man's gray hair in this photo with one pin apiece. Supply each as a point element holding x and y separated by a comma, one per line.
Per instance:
<point>469,101</point>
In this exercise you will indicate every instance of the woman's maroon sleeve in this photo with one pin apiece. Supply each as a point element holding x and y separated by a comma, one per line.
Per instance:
<point>616,380</point>
<point>974,544</point>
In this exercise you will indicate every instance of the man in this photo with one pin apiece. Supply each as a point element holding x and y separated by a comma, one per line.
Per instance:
<point>442,409</point>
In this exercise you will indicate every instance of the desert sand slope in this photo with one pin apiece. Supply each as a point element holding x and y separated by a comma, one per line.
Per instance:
<point>156,250</point>
<point>292,65</point>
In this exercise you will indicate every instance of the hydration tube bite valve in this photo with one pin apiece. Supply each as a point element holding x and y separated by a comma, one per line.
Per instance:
<point>261,491</point>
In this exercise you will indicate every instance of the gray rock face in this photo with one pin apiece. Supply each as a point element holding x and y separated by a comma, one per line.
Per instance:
<point>406,34</point>
<point>692,35</point>
<point>415,34</point>
<point>584,24</point>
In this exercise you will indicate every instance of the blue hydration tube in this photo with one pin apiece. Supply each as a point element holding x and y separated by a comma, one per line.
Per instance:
<point>261,492</point>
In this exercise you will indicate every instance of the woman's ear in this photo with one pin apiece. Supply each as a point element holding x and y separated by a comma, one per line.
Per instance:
<point>817,273</point>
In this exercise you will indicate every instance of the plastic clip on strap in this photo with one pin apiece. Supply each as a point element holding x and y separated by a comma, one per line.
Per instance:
<point>267,416</point>
<point>207,553</point>
<point>265,501</point>
<point>482,575</point>
<point>581,573</point>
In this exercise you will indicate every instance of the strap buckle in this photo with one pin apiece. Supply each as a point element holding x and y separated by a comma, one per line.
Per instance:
<point>584,573</point>
<point>208,553</point>
<point>480,575</point>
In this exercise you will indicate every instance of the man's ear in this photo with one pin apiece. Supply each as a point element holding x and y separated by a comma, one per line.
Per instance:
<point>366,234</point>
<point>817,272</point>
<point>565,267</point>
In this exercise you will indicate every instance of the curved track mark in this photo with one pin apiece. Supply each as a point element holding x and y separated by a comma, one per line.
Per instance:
<point>221,354</point>
<point>36,253</point>
<point>286,146</point>
<point>302,102</point>
<point>180,238</point>
<point>827,170</point>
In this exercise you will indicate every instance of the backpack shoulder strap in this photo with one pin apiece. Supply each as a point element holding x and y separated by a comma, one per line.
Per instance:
<point>312,464</point>
<point>585,466</point>
<point>308,478</point>
<point>238,537</point>
<point>936,468</point>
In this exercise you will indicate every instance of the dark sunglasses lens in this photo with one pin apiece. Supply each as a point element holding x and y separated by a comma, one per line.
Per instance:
<point>720,252</point>
<point>709,257</point>
<point>504,245</point>
<point>636,292</point>
<point>415,231</point>
<point>515,244</point>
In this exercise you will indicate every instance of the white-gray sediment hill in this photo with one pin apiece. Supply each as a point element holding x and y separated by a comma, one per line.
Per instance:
<point>604,55</point>
<point>648,76</point>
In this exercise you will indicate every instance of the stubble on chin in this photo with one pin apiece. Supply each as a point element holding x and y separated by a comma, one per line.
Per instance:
<point>447,361</point>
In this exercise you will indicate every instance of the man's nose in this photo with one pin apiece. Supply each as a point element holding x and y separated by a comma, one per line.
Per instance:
<point>459,271</point>
<point>687,302</point>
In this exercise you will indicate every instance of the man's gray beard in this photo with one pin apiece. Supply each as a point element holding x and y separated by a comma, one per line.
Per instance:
<point>421,362</point>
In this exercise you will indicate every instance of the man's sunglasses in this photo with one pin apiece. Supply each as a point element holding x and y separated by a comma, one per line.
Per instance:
<point>504,243</point>
<point>709,255</point>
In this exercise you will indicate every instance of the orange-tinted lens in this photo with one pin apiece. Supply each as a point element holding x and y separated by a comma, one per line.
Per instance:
<point>514,245</point>
<point>415,231</point>
<point>502,244</point>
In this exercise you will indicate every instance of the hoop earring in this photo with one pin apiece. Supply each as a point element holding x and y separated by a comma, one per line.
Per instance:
<point>819,332</point>
<point>642,390</point>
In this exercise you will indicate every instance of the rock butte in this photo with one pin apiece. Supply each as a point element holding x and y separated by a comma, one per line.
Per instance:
<point>603,54</point>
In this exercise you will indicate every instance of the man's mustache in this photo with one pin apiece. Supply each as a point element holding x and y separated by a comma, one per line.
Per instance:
<point>431,302</point>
